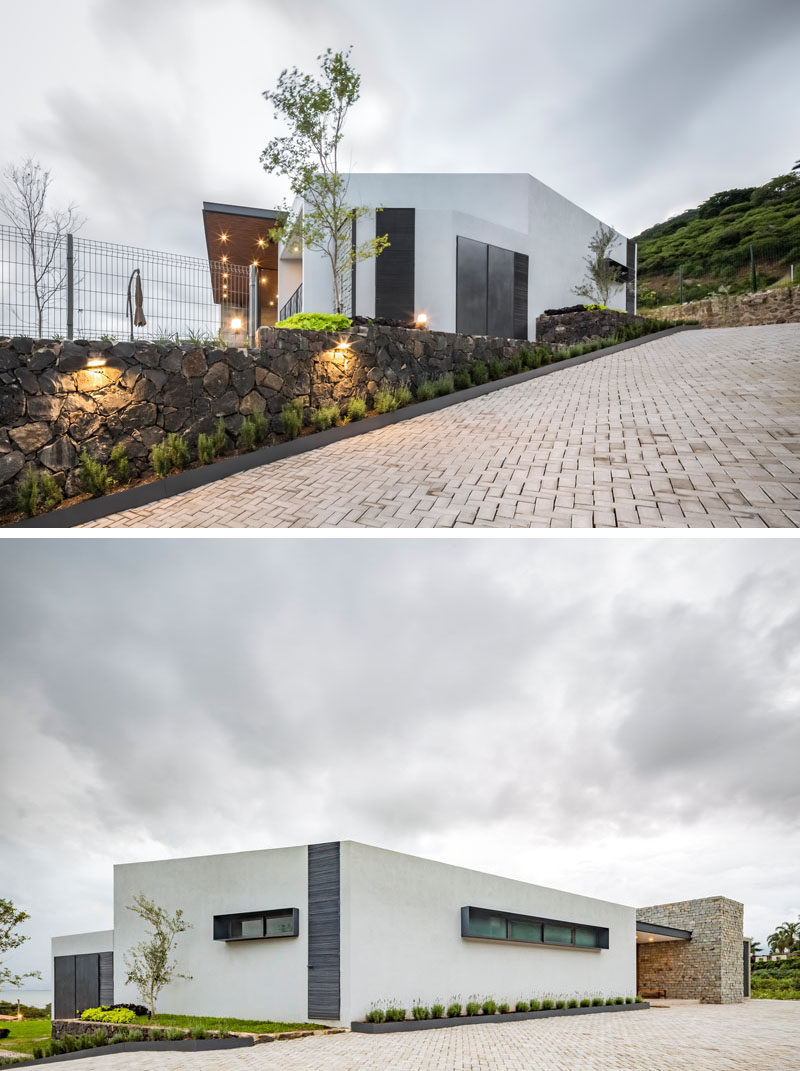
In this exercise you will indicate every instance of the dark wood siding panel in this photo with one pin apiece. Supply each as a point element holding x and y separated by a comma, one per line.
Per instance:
<point>87,981</point>
<point>630,260</point>
<point>520,295</point>
<point>323,931</point>
<point>500,292</point>
<point>64,987</point>
<point>471,282</point>
<point>106,977</point>
<point>394,268</point>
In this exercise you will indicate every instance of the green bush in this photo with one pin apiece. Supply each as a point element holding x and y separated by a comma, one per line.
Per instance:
<point>135,1035</point>
<point>586,1003</point>
<point>444,385</point>
<point>247,436</point>
<point>105,1014</point>
<point>495,368</point>
<point>37,1052</point>
<point>28,492</point>
<point>462,379</point>
<point>535,1005</point>
<point>489,1007</point>
<point>629,1000</point>
<point>453,1010</point>
<point>220,437</point>
<point>57,1047</point>
<point>292,418</point>
<point>572,1003</point>
<point>198,1033</point>
<point>376,1015</point>
<point>437,1011</point>
<point>547,1005</point>
<point>93,476</point>
<point>479,373</point>
<point>159,459</point>
<point>327,416</point>
<point>419,1011</point>
<point>426,390</point>
<point>597,1002</point>
<point>637,1000</point>
<point>504,1008</point>
<point>316,321</point>
<point>545,357</point>
<point>206,451</point>
<point>395,1015</point>
<point>523,1006</point>
<point>178,451</point>
<point>609,1001</point>
<point>473,1007</point>
<point>261,425</point>
<point>118,1037</point>
<point>560,1004</point>
<point>385,401</point>
<point>514,366</point>
<point>402,395</point>
<point>356,409</point>
<point>119,464</point>
<point>174,1034</point>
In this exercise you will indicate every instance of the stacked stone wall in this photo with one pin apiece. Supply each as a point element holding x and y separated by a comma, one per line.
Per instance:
<point>709,967</point>
<point>569,328</point>
<point>780,306</point>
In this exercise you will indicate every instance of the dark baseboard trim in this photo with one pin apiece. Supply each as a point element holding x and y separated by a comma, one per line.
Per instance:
<point>190,1045</point>
<point>472,1020</point>
<point>146,494</point>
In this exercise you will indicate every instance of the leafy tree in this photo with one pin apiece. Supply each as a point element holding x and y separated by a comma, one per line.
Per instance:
<point>602,274</point>
<point>150,964</point>
<point>315,110</point>
<point>756,949</point>
<point>10,919</point>
<point>23,200</point>
<point>715,204</point>
<point>784,938</point>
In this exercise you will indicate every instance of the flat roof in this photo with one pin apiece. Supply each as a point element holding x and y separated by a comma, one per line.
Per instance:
<point>241,210</point>
<point>668,932</point>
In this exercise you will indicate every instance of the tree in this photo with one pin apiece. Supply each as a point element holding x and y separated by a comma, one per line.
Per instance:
<point>784,938</point>
<point>602,274</point>
<point>10,919</point>
<point>308,156</point>
<point>150,964</point>
<point>23,200</point>
<point>756,949</point>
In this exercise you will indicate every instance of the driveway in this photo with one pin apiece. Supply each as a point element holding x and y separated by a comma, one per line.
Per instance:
<point>700,429</point>
<point>694,1037</point>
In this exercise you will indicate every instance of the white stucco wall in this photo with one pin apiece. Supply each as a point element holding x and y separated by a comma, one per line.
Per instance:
<point>401,927</point>
<point>79,944</point>
<point>247,979</point>
<point>513,211</point>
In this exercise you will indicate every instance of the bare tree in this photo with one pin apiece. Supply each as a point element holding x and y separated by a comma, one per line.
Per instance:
<point>602,274</point>
<point>23,200</point>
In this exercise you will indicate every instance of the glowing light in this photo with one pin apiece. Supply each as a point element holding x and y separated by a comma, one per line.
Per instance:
<point>224,260</point>
<point>224,275</point>
<point>223,237</point>
<point>261,243</point>
<point>297,249</point>
<point>95,362</point>
<point>422,319</point>
<point>255,263</point>
<point>236,324</point>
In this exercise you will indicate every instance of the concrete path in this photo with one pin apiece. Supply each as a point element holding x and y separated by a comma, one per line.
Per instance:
<point>700,429</point>
<point>758,1034</point>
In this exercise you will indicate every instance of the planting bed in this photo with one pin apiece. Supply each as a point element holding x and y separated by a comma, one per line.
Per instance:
<point>472,1020</point>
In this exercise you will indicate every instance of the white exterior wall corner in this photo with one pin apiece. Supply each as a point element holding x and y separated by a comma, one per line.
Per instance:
<point>402,927</point>
<point>247,979</point>
<point>79,944</point>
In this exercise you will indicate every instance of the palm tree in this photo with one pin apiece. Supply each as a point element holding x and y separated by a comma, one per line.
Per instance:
<point>784,937</point>
<point>756,949</point>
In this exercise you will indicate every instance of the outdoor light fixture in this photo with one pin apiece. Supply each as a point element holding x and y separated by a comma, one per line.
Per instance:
<point>223,237</point>
<point>297,249</point>
<point>261,243</point>
<point>422,319</point>
<point>95,361</point>
<point>224,260</point>
<point>236,324</point>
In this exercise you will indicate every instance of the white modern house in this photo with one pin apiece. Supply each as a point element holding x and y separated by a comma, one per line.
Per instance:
<point>321,931</point>
<point>481,254</point>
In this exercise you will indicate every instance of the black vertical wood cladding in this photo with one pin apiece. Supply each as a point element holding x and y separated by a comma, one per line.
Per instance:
<point>87,981</point>
<point>64,987</point>
<point>470,287</point>
<point>353,239</point>
<point>106,977</point>
<point>394,268</point>
<point>491,290</point>
<point>81,982</point>
<point>323,931</point>
<point>520,295</point>
<point>500,292</point>
<point>630,260</point>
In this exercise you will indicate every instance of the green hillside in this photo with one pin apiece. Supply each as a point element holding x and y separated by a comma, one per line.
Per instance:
<point>711,244</point>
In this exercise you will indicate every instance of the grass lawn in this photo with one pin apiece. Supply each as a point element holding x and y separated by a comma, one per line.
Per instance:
<point>25,1033</point>
<point>254,1026</point>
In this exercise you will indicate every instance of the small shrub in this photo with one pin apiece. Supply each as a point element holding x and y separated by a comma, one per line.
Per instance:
<point>119,464</point>
<point>107,1014</point>
<point>198,1033</point>
<point>71,1042</point>
<point>462,379</point>
<point>159,459</point>
<point>514,366</point>
<point>385,401</point>
<point>206,451</point>
<point>402,395</point>
<point>504,1008</point>
<point>444,385</point>
<point>586,1003</point>
<point>609,1001</point>
<point>572,1003</point>
<point>135,1035</point>
<point>437,1011</point>
<point>316,321</point>
<point>495,368</point>
<point>479,373</point>
<point>327,416</point>
<point>28,492</point>
<point>247,435</point>
<point>395,1015</point>
<point>535,1005</point>
<point>637,1000</point>
<point>93,475</point>
<point>356,409</point>
<point>546,1005</point>
<point>473,1007</point>
<point>178,451</point>
<point>260,424</point>
<point>543,354</point>
<point>419,1011</point>
<point>52,495</point>
<point>426,390</point>
<point>376,1015</point>
<point>118,1037</point>
<point>38,1052</point>
<point>99,1037</point>
<point>619,1000</point>
<point>523,1006</point>
<point>453,1010</point>
<point>57,1047</point>
<point>526,355</point>
<point>597,1002</point>
<point>629,1000</point>
<point>220,437</point>
<point>560,1004</point>
<point>292,418</point>
<point>489,1007</point>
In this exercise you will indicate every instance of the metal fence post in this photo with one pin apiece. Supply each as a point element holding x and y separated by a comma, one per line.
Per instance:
<point>680,281</point>
<point>252,307</point>
<point>635,278</point>
<point>752,270</point>
<point>70,288</point>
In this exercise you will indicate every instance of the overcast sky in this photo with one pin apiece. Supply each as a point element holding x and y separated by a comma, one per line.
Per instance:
<point>635,111</point>
<point>615,718</point>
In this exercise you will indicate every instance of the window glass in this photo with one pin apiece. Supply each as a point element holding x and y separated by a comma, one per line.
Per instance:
<point>525,931</point>
<point>586,937</point>
<point>487,926</point>
<point>559,935</point>
<point>282,924</point>
<point>252,927</point>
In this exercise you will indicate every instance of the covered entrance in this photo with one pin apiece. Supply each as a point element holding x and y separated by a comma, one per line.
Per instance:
<point>659,963</point>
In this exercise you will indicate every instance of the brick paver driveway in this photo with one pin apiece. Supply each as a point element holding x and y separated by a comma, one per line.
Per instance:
<point>699,429</point>
<point>759,1035</point>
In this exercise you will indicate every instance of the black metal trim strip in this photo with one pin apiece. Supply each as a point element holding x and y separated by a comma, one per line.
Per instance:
<point>146,494</point>
<point>663,931</point>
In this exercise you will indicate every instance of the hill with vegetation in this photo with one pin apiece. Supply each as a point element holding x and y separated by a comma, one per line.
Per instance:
<point>723,243</point>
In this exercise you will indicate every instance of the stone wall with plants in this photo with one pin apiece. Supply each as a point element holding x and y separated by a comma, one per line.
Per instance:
<point>781,306</point>
<point>569,328</point>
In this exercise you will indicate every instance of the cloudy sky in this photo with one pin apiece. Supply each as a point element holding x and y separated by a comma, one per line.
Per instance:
<point>616,718</point>
<point>636,111</point>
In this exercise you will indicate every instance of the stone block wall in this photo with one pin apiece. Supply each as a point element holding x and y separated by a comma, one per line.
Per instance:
<point>58,397</point>
<point>780,306</point>
<point>569,328</point>
<point>60,1027</point>
<point>707,968</point>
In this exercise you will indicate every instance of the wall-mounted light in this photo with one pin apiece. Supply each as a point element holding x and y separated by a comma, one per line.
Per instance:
<point>341,352</point>
<point>422,320</point>
<point>236,324</point>
<point>95,361</point>
<point>224,260</point>
<point>223,237</point>
<point>261,243</point>
<point>296,249</point>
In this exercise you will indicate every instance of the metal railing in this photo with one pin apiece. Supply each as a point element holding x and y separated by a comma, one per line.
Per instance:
<point>293,305</point>
<point>69,287</point>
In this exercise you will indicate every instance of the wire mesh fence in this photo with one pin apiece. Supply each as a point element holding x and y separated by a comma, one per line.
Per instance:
<point>761,266</point>
<point>62,286</point>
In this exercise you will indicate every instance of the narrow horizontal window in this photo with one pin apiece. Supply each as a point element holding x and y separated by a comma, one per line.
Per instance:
<point>488,926</point>
<point>246,927</point>
<point>280,926</point>
<point>586,936</point>
<point>484,924</point>
<point>558,935</point>
<point>526,931</point>
<point>257,925</point>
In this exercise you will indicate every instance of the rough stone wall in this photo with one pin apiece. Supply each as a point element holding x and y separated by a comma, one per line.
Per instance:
<point>737,310</point>
<point>58,397</point>
<point>569,328</point>
<point>60,1027</point>
<point>707,968</point>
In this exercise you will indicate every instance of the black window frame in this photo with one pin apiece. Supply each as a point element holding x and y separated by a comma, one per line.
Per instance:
<point>601,932</point>
<point>222,924</point>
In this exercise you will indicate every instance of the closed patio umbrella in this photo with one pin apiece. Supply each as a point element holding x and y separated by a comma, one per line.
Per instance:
<point>136,307</point>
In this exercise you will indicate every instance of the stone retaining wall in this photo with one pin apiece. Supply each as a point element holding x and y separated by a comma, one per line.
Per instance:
<point>708,968</point>
<point>58,397</point>
<point>737,310</point>
<point>60,1027</point>
<point>569,328</point>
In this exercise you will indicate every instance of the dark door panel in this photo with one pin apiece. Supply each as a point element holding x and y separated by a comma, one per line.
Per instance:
<point>87,982</point>
<point>500,292</point>
<point>64,987</point>
<point>323,931</point>
<point>394,268</point>
<point>471,281</point>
